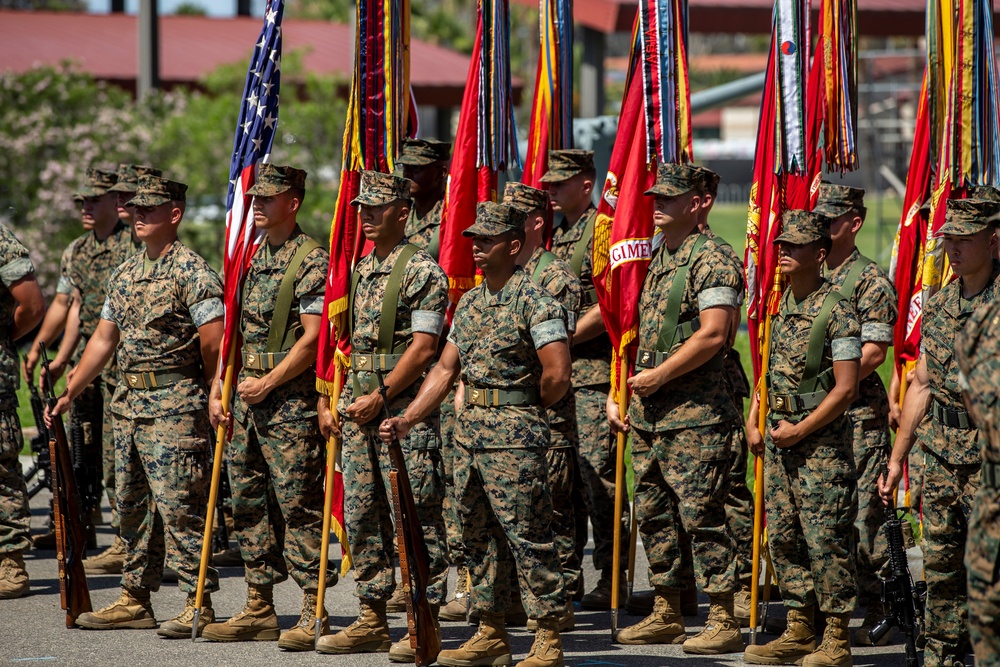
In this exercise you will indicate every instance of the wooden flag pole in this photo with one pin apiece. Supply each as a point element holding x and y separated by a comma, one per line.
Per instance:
<point>213,494</point>
<point>332,445</point>
<point>619,498</point>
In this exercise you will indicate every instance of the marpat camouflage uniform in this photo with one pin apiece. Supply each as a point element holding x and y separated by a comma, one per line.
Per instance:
<point>685,432</point>
<point>811,490</point>
<point>591,385</point>
<point>978,354</point>
<point>425,232</point>
<point>500,467</point>
<point>423,298</point>
<point>874,299</point>
<point>162,434</point>
<point>15,518</point>
<point>952,473</point>
<point>558,280</point>
<point>277,456</point>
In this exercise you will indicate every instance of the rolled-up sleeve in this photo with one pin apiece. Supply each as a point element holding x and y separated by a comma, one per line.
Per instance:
<point>547,332</point>
<point>845,349</point>
<point>205,311</point>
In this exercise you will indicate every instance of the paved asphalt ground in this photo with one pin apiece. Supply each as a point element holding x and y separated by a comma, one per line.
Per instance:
<point>32,629</point>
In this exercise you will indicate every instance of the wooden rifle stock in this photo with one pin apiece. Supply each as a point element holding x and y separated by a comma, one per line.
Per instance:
<point>71,535</point>
<point>413,560</point>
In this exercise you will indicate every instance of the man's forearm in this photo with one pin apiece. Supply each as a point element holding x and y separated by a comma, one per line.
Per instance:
<point>916,403</point>
<point>413,363</point>
<point>433,391</point>
<point>834,404</point>
<point>589,327</point>
<point>872,356</point>
<point>693,354</point>
<point>54,321</point>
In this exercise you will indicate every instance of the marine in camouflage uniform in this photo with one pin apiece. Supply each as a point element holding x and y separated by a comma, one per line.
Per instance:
<point>21,308</point>
<point>276,457</point>
<point>739,503</point>
<point>572,242</point>
<point>683,422</point>
<point>501,436</point>
<point>952,473</point>
<point>163,317</point>
<point>868,288</point>
<point>556,277</point>
<point>977,350</point>
<point>93,261</point>
<point>811,490</point>
<point>422,296</point>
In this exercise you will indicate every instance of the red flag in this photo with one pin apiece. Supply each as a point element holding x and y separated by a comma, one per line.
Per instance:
<point>624,227</point>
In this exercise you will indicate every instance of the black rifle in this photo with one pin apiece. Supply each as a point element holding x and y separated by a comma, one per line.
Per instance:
<point>41,467</point>
<point>85,436</point>
<point>902,601</point>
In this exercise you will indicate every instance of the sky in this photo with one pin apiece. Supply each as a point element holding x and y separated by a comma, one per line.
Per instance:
<point>212,7</point>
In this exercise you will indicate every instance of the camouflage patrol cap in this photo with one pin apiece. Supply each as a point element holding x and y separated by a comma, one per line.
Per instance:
<point>525,197</point>
<point>422,152</point>
<point>567,163</point>
<point>836,200</point>
<point>273,179</point>
<point>676,179</point>
<point>964,217</point>
<point>99,181</point>
<point>128,177</point>
<point>802,227</point>
<point>493,219</point>
<point>378,188</point>
<point>709,180</point>
<point>987,192</point>
<point>154,190</point>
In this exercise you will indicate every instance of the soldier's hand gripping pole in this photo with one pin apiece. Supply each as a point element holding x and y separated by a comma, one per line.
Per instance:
<point>616,563</point>
<point>332,445</point>
<point>213,493</point>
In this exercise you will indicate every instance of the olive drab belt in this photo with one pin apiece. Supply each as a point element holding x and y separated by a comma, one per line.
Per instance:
<point>153,380</point>
<point>374,362</point>
<point>791,403</point>
<point>496,398</point>
<point>262,361</point>
<point>950,416</point>
<point>991,475</point>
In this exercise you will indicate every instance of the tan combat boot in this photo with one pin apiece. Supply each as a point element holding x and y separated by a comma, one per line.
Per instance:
<point>664,626</point>
<point>566,623</point>
<point>302,635</point>
<point>13,576</point>
<point>401,651</point>
<point>397,603</point>
<point>600,597</point>
<point>109,561</point>
<point>258,620</point>
<point>835,649</point>
<point>179,627</point>
<point>741,606</point>
<point>796,642</point>
<point>546,651</point>
<point>132,610</point>
<point>455,609</point>
<point>368,634</point>
<point>722,630</point>
<point>489,646</point>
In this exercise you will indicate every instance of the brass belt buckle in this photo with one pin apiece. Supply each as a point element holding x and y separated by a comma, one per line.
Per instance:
<point>362,361</point>
<point>136,381</point>
<point>477,397</point>
<point>645,359</point>
<point>251,360</point>
<point>779,402</point>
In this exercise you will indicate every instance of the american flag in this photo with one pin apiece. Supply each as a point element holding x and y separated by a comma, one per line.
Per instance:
<point>255,131</point>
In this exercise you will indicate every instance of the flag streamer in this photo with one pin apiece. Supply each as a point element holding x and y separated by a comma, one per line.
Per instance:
<point>485,144</point>
<point>790,48</point>
<point>838,46</point>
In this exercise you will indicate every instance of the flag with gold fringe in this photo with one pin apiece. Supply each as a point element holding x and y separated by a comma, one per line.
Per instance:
<point>654,126</point>
<point>485,144</point>
<point>379,115</point>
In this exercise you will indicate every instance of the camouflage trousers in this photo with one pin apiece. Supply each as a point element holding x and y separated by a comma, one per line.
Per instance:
<point>597,458</point>
<point>15,519</point>
<point>681,485</point>
<point>163,472</point>
<point>871,450</point>
<point>506,513</point>
<point>982,559</point>
<point>452,522</point>
<point>811,499</point>
<point>948,492</point>
<point>276,478</point>
<point>739,508</point>
<point>108,452</point>
<point>369,516</point>
<point>562,473</point>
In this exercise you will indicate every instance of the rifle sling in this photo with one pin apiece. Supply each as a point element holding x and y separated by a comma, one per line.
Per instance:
<point>812,380</point>
<point>543,262</point>
<point>668,329</point>
<point>277,337</point>
<point>851,279</point>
